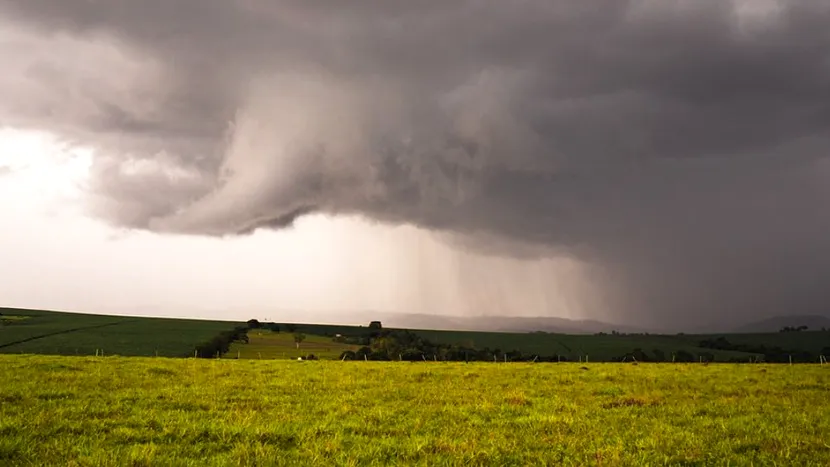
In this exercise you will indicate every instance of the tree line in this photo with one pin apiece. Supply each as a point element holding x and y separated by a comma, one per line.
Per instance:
<point>220,344</point>
<point>378,344</point>
<point>771,354</point>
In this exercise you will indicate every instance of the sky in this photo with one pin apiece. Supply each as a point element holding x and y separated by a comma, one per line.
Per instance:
<point>58,257</point>
<point>662,163</point>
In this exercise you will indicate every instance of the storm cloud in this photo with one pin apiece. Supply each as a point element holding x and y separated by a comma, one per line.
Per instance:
<point>679,147</point>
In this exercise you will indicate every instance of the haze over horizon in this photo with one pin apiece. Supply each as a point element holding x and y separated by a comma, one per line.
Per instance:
<point>663,163</point>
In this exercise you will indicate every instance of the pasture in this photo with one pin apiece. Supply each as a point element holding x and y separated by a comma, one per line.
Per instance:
<point>264,344</point>
<point>87,411</point>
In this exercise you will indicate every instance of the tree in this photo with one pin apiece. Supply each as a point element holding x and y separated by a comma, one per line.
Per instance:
<point>639,355</point>
<point>659,355</point>
<point>298,338</point>
<point>374,329</point>
<point>220,344</point>
<point>254,324</point>
<point>684,356</point>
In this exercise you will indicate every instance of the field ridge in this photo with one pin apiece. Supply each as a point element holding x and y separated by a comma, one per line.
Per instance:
<point>65,331</point>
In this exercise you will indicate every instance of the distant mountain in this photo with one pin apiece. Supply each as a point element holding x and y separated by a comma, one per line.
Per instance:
<point>813,323</point>
<point>486,323</point>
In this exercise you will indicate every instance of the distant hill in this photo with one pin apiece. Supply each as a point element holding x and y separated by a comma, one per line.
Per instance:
<point>813,323</point>
<point>43,332</point>
<point>489,323</point>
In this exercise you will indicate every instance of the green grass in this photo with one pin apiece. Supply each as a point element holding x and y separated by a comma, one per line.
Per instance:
<point>269,345</point>
<point>8,320</point>
<point>44,332</point>
<point>86,411</point>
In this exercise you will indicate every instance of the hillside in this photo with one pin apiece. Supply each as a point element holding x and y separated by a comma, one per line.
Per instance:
<point>803,346</point>
<point>47,332</point>
<point>775,324</point>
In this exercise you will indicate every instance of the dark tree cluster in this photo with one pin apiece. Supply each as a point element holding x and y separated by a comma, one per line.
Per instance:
<point>771,354</point>
<point>220,344</point>
<point>658,355</point>
<point>386,345</point>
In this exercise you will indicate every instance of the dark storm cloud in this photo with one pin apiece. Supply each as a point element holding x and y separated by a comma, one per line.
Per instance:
<point>680,145</point>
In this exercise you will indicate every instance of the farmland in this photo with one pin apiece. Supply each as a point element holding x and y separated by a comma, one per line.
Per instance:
<point>45,332</point>
<point>609,347</point>
<point>574,347</point>
<point>158,411</point>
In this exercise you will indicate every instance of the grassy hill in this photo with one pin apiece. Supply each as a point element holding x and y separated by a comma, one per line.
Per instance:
<point>44,332</point>
<point>47,332</point>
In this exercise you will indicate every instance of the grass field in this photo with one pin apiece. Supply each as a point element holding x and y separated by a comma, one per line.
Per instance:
<point>86,411</point>
<point>45,332</point>
<point>268,345</point>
